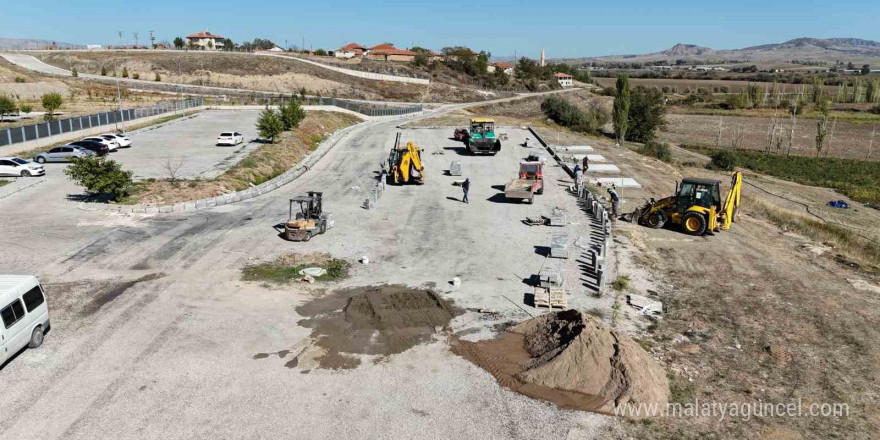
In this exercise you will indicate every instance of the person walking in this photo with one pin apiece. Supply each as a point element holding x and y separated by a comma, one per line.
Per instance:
<point>466,187</point>
<point>615,200</point>
<point>586,164</point>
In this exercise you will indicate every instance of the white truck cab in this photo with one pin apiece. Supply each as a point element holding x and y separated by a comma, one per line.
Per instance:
<point>24,314</point>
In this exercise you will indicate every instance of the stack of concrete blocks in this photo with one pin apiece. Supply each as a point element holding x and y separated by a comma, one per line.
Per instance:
<point>550,291</point>
<point>559,246</point>
<point>375,194</point>
<point>557,217</point>
<point>455,168</point>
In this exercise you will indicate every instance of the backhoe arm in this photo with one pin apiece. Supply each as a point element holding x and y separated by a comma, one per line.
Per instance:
<point>731,202</point>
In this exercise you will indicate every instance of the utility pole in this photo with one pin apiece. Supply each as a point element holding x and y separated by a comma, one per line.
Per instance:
<point>135,40</point>
<point>152,40</point>
<point>286,47</point>
<point>120,37</point>
<point>119,92</point>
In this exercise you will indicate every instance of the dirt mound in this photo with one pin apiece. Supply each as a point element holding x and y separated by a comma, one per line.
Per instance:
<point>572,360</point>
<point>382,320</point>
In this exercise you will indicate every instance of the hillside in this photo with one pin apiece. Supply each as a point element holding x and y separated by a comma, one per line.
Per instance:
<point>831,50</point>
<point>26,43</point>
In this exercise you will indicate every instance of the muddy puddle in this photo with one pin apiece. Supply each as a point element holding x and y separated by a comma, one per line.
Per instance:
<point>375,320</point>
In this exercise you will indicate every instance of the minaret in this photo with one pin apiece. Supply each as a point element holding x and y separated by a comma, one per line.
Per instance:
<point>542,57</point>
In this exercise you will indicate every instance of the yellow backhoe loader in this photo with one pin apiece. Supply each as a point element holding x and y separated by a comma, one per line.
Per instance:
<point>696,206</point>
<point>405,164</point>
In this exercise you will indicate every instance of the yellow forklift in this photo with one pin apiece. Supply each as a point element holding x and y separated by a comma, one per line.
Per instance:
<point>311,219</point>
<point>696,207</point>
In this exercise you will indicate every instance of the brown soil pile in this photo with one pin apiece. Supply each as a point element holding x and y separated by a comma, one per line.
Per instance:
<point>375,320</point>
<point>571,359</point>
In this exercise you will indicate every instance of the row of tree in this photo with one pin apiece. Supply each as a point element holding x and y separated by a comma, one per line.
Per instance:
<point>50,101</point>
<point>227,45</point>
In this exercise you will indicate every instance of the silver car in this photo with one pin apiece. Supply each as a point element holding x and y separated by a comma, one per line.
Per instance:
<point>62,154</point>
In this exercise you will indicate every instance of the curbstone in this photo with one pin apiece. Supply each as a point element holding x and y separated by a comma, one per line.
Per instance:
<point>139,210</point>
<point>151,210</point>
<point>177,207</point>
<point>189,206</point>
<point>126,209</point>
<point>210,202</point>
<point>201,203</point>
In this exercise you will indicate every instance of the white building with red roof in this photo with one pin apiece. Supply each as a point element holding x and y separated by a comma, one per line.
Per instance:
<point>350,50</point>
<point>565,80</point>
<point>205,40</point>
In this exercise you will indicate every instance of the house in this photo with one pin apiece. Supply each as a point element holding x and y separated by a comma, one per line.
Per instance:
<point>387,52</point>
<point>504,66</point>
<point>565,80</point>
<point>205,40</point>
<point>350,50</point>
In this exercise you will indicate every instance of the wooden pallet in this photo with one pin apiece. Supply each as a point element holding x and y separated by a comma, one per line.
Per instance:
<point>551,298</point>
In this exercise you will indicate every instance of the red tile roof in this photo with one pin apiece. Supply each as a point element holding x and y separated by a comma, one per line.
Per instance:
<point>203,34</point>
<point>383,46</point>
<point>562,75</point>
<point>393,51</point>
<point>351,46</point>
<point>503,65</point>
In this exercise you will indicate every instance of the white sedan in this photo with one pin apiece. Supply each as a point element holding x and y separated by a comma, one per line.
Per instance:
<point>110,143</point>
<point>18,167</point>
<point>230,138</point>
<point>122,139</point>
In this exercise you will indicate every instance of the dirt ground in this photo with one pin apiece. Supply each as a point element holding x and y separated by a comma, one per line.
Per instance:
<point>274,74</point>
<point>755,313</point>
<point>850,141</point>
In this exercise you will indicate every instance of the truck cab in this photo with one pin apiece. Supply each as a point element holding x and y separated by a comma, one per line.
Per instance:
<point>482,138</point>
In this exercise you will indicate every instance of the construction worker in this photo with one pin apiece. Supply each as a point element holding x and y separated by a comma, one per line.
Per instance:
<point>577,177</point>
<point>466,187</point>
<point>586,164</point>
<point>615,200</point>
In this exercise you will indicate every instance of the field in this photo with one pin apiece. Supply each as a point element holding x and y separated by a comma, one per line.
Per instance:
<point>849,141</point>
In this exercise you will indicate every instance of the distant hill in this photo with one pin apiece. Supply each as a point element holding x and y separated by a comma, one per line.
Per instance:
<point>26,43</point>
<point>829,50</point>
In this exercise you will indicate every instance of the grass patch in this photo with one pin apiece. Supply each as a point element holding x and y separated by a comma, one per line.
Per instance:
<point>657,150</point>
<point>597,312</point>
<point>621,283</point>
<point>845,239</point>
<point>4,182</point>
<point>857,179</point>
<point>283,271</point>
<point>248,162</point>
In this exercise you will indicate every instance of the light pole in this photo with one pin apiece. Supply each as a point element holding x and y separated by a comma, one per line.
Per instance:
<point>119,92</point>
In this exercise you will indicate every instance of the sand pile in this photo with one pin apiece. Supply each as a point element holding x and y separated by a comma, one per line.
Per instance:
<point>573,360</point>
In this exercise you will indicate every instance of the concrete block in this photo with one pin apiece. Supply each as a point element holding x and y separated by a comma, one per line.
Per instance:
<point>236,197</point>
<point>559,246</point>
<point>219,201</point>
<point>201,204</point>
<point>558,217</point>
<point>165,209</point>
<point>455,168</point>
<point>177,207</point>
<point>189,206</point>
<point>152,210</point>
<point>550,277</point>
<point>603,168</point>
<point>210,202</point>
<point>126,209</point>
<point>139,210</point>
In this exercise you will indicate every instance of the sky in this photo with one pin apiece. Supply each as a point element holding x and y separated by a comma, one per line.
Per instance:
<point>564,29</point>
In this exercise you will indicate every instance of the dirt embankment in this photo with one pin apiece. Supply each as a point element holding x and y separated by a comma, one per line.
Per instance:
<point>264,163</point>
<point>571,359</point>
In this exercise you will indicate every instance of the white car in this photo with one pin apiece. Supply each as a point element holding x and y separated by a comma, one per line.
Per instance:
<point>110,143</point>
<point>18,167</point>
<point>230,138</point>
<point>122,139</point>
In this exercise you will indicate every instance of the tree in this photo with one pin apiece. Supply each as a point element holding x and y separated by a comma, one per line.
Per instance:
<point>51,102</point>
<point>291,113</point>
<point>7,106</point>
<point>210,44</point>
<point>178,43</point>
<point>25,108</point>
<point>420,60</point>
<point>228,45</point>
<point>818,84</point>
<point>125,72</point>
<point>269,124</point>
<point>100,176</point>
<point>566,114</point>
<point>822,125</point>
<point>647,112</point>
<point>103,71</point>
<point>74,73</point>
<point>620,115</point>
<point>501,78</point>
<point>866,69</point>
<point>158,77</point>
<point>321,53</point>
<point>873,93</point>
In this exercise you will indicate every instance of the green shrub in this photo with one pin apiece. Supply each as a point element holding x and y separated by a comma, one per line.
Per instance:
<point>657,150</point>
<point>158,77</point>
<point>26,108</point>
<point>20,79</point>
<point>100,176</point>
<point>609,91</point>
<point>125,72</point>
<point>291,113</point>
<point>136,76</point>
<point>875,109</point>
<point>566,114</point>
<point>7,106</point>
<point>270,124</point>
<point>621,283</point>
<point>103,71</point>
<point>724,160</point>
<point>51,102</point>
<point>74,73</point>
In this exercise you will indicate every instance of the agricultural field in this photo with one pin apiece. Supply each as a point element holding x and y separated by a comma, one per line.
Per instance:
<point>710,85</point>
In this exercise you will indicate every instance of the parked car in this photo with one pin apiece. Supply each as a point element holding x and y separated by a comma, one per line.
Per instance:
<point>230,138</point>
<point>64,153</point>
<point>18,167</point>
<point>111,143</point>
<point>122,139</point>
<point>24,312</point>
<point>95,147</point>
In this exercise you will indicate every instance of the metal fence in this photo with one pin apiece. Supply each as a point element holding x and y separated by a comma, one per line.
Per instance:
<point>16,135</point>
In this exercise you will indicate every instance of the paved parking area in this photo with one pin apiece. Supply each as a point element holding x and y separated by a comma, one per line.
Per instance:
<point>190,142</point>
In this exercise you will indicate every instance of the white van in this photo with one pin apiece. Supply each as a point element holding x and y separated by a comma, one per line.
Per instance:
<point>24,314</point>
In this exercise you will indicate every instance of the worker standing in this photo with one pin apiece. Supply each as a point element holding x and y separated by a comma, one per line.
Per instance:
<point>577,178</point>
<point>615,200</point>
<point>466,187</point>
<point>586,164</point>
